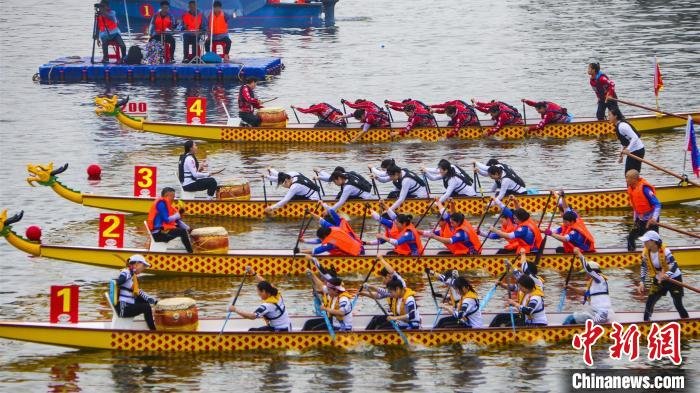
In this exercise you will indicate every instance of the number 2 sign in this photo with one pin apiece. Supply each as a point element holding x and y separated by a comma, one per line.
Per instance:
<point>145,181</point>
<point>196,110</point>
<point>64,304</point>
<point>111,230</point>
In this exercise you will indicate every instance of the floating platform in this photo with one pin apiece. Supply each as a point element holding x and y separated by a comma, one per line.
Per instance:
<point>80,69</point>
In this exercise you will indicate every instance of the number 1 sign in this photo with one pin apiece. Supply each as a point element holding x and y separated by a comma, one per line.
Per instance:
<point>64,304</point>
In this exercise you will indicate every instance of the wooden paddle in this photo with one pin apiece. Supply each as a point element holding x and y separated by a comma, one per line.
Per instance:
<point>364,217</point>
<point>691,234</point>
<point>483,216</point>
<point>649,108</point>
<point>425,212</point>
<point>489,232</point>
<point>680,283</point>
<point>320,183</point>
<point>478,182</point>
<point>235,298</point>
<point>374,185</point>
<point>302,229</point>
<point>653,165</point>
<point>562,297</point>
<point>295,113</point>
<point>540,248</point>
<point>264,191</point>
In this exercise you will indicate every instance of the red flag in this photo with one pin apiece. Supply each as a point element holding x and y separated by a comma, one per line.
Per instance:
<point>658,80</point>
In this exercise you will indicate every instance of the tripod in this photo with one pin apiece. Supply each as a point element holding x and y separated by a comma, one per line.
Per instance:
<point>95,36</point>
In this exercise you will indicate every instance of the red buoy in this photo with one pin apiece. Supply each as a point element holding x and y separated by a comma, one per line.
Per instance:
<point>94,172</point>
<point>33,233</point>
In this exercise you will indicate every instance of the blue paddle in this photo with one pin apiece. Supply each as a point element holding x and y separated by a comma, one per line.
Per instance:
<point>562,297</point>
<point>317,306</point>
<point>235,299</point>
<point>393,324</point>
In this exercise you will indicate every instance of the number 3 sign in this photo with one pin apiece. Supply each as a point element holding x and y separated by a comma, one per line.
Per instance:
<point>111,230</point>
<point>145,181</point>
<point>64,304</point>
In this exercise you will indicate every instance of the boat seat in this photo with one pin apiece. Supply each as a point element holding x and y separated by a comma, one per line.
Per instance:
<point>114,52</point>
<point>175,244</point>
<point>117,321</point>
<point>189,194</point>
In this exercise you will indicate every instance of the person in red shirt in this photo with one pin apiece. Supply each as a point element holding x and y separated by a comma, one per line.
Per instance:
<point>418,116</point>
<point>328,115</point>
<point>161,26</point>
<point>502,113</point>
<point>603,88</point>
<point>247,103</point>
<point>108,30</point>
<point>369,114</point>
<point>549,112</point>
<point>400,106</point>
<point>460,113</point>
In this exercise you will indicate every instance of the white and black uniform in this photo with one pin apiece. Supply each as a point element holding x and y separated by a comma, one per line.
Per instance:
<point>458,185</point>
<point>597,295</point>
<point>130,305</point>
<point>191,179</point>
<point>297,191</point>
<point>510,183</point>
<point>409,184</point>
<point>629,139</point>
<point>352,189</point>
<point>345,305</point>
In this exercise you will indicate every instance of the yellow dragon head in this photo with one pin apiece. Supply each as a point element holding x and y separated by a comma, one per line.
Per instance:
<point>45,175</point>
<point>6,222</point>
<point>109,106</point>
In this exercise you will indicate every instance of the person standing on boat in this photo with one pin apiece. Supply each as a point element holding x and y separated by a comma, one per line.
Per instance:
<point>301,188</point>
<point>663,267</point>
<point>133,300</point>
<point>368,113</point>
<point>219,27</point>
<point>165,222</point>
<point>456,233</point>
<point>407,183</point>
<point>596,294</point>
<point>338,307</point>
<point>456,181</point>
<point>603,88</point>
<point>629,139</point>
<point>272,310</point>
<point>501,113</point>
<point>646,207</point>
<point>460,113</point>
<point>108,27</point>
<point>190,172</point>
<point>549,112</point>
<point>194,23</point>
<point>328,115</point>
<point>161,26</point>
<point>505,181</point>
<point>467,313</point>
<point>247,103</point>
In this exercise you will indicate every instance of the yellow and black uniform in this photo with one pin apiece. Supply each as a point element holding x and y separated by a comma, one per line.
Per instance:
<point>662,262</point>
<point>274,312</point>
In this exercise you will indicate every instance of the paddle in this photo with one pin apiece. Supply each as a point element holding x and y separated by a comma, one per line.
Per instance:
<point>427,184</point>
<point>544,211</point>
<point>483,216</point>
<point>562,297</point>
<point>540,248</point>
<point>302,229</point>
<point>388,110</point>
<point>510,311</point>
<point>393,324</point>
<point>682,284</point>
<point>425,212</point>
<point>345,112</point>
<point>478,182</point>
<point>489,232</point>
<point>369,273</point>
<point>435,296</point>
<point>295,113</point>
<point>235,298</point>
<point>691,234</point>
<point>649,109</point>
<point>524,115</point>
<point>374,185</point>
<point>492,291</point>
<point>317,306</point>
<point>364,217</point>
<point>651,164</point>
<point>264,191</point>
<point>320,183</point>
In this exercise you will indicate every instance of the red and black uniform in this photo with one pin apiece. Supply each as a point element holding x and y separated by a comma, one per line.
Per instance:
<point>507,114</point>
<point>465,115</point>
<point>420,118</point>
<point>554,113</point>
<point>374,115</point>
<point>247,103</point>
<point>161,25</point>
<point>328,115</point>
<point>603,88</point>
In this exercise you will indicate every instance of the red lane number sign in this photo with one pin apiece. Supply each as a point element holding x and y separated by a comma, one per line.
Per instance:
<point>196,110</point>
<point>136,108</point>
<point>146,10</point>
<point>111,230</point>
<point>64,304</point>
<point>145,181</point>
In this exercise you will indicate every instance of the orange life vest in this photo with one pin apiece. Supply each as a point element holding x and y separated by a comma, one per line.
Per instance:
<point>162,23</point>
<point>343,242</point>
<point>192,22</point>
<point>535,230</point>
<point>461,248</point>
<point>640,203</point>
<point>509,226</point>
<point>581,228</point>
<point>219,24</point>
<point>106,24</point>
<point>405,249</point>
<point>345,227</point>
<point>154,211</point>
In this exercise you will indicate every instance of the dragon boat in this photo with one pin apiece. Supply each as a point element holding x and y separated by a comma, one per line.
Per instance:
<point>111,106</point>
<point>613,198</point>
<point>236,337</point>
<point>283,262</point>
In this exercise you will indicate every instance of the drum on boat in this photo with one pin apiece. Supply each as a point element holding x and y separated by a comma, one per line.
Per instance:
<point>176,314</point>
<point>210,240</point>
<point>236,189</point>
<point>273,117</point>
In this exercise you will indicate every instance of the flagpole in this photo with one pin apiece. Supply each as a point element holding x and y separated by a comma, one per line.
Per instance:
<point>656,82</point>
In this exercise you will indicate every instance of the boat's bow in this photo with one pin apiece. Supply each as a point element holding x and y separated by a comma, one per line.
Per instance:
<point>45,175</point>
<point>112,106</point>
<point>13,238</point>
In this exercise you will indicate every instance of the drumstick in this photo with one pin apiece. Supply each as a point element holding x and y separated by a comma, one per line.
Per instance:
<point>271,99</point>
<point>217,172</point>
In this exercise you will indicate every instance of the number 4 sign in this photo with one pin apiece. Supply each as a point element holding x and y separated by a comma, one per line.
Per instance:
<point>64,304</point>
<point>111,230</point>
<point>196,110</point>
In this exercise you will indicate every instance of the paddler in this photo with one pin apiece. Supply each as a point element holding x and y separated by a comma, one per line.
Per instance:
<point>301,188</point>
<point>388,274</point>
<point>381,176</point>
<point>663,266</point>
<point>629,139</point>
<point>573,233</point>
<point>456,233</point>
<point>352,186</point>
<point>335,241</point>
<point>418,116</point>
<point>247,103</point>
<point>646,207</point>
<point>328,115</point>
<point>407,183</point>
<point>506,181</point>
<point>501,113</point>
<point>338,306</point>
<point>527,234</point>
<point>529,270</point>
<point>134,301</point>
<point>460,113</point>
<point>530,302</point>
<point>603,88</point>
<point>507,223</point>
<point>456,181</point>
<point>165,221</point>
<point>402,307</point>
<point>401,106</point>
<point>550,113</point>
<point>400,233</point>
<point>369,114</point>
<point>192,174</point>
<point>596,294</point>
<point>333,219</point>
<point>467,313</point>
<point>160,29</point>
<point>272,310</point>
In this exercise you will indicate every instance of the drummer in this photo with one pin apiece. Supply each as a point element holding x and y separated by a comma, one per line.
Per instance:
<point>164,220</point>
<point>192,173</point>
<point>247,103</point>
<point>272,310</point>
<point>134,301</point>
<point>301,188</point>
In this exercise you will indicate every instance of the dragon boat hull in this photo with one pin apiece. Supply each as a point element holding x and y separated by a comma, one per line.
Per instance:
<point>99,335</point>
